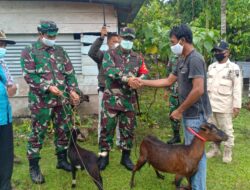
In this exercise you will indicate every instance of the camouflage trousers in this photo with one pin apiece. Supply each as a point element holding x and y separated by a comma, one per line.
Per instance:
<point>40,120</point>
<point>173,105</point>
<point>109,121</point>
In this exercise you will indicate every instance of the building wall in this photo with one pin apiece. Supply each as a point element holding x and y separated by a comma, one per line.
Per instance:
<point>19,19</point>
<point>245,68</point>
<point>22,17</point>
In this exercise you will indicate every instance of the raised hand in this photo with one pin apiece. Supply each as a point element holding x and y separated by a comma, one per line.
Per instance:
<point>104,32</point>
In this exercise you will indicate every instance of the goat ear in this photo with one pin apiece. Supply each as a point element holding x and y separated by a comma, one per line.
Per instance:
<point>203,127</point>
<point>211,125</point>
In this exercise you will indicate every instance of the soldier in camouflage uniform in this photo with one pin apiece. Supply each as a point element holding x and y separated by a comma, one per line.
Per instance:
<point>121,65</point>
<point>52,86</point>
<point>97,55</point>
<point>173,102</point>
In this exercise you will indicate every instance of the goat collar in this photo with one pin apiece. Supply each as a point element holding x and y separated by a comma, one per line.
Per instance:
<point>196,134</point>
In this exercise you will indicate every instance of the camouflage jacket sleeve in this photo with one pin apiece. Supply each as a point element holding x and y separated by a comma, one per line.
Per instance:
<point>29,71</point>
<point>110,70</point>
<point>70,76</point>
<point>95,53</point>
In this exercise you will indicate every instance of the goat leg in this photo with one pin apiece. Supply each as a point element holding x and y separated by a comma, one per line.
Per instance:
<point>189,183</point>
<point>73,176</point>
<point>137,167</point>
<point>160,176</point>
<point>132,181</point>
<point>94,172</point>
<point>177,180</point>
<point>98,181</point>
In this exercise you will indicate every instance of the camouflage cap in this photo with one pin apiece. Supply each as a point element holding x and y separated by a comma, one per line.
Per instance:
<point>127,32</point>
<point>48,27</point>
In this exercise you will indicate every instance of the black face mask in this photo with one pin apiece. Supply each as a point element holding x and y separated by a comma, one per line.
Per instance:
<point>219,56</point>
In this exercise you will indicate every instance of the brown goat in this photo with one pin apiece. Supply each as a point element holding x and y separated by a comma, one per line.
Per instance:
<point>181,160</point>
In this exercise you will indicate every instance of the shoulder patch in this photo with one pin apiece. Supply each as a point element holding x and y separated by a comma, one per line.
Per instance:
<point>237,73</point>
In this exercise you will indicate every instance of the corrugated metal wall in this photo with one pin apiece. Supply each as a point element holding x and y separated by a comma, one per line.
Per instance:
<point>73,48</point>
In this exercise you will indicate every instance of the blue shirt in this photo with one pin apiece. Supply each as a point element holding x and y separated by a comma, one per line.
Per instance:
<point>5,107</point>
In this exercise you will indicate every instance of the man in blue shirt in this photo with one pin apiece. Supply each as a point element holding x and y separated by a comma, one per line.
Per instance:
<point>7,89</point>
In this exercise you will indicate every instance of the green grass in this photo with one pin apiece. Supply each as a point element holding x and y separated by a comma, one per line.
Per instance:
<point>220,176</point>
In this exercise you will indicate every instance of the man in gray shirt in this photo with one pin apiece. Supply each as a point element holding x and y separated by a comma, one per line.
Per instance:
<point>194,106</point>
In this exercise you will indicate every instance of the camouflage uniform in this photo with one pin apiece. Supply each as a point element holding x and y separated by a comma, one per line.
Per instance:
<point>43,67</point>
<point>173,97</point>
<point>97,55</point>
<point>119,99</point>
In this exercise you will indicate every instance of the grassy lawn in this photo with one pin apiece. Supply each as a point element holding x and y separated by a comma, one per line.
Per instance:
<point>220,176</point>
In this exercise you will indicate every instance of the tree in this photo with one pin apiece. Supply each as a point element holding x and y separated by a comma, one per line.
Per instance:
<point>223,18</point>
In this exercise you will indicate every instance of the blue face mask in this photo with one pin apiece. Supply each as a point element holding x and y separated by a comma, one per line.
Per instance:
<point>126,44</point>
<point>2,52</point>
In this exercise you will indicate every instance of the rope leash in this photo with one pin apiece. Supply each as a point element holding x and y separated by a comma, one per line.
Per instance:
<point>73,113</point>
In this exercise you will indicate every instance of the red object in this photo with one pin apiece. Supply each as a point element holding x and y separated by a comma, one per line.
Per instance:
<point>196,134</point>
<point>143,69</point>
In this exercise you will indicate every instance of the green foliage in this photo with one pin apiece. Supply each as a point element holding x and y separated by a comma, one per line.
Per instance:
<point>156,18</point>
<point>238,28</point>
<point>154,108</point>
<point>238,22</point>
<point>153,30</point>
<point>194,8</point>
<point>204,41</point>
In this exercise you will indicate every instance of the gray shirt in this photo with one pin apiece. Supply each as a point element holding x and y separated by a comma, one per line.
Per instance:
<point>193,66</point>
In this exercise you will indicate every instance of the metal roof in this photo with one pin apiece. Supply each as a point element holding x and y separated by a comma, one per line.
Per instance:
<point>126,9</point>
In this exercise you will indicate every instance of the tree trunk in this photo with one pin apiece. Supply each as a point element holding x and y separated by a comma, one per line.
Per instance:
<point>193,9</point>
<point>223,18</point>
<point>207,12</point>
<point>178,9</point>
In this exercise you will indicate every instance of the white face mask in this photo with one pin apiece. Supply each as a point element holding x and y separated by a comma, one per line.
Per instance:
<point>115,46</point>
<point>48,42</point>
<point>177,49</point>
<point>126,44</point>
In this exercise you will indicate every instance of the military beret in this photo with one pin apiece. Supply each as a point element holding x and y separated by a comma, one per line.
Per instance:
<point>124,32</point>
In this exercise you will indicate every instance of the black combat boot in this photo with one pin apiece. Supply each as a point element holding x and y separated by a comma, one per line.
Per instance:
<point>176,138</point>
<point>103,161</point>
<point>35,172</point>
<point>126,161</point>
<point>62,162</point>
